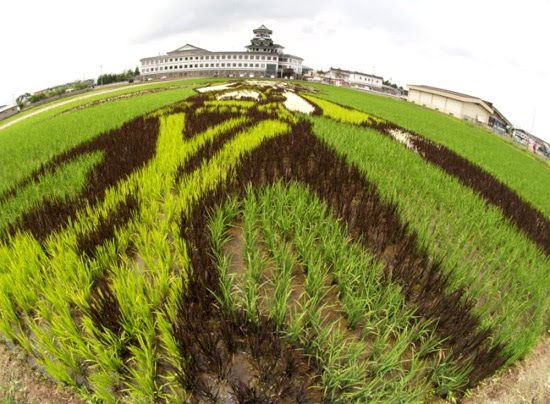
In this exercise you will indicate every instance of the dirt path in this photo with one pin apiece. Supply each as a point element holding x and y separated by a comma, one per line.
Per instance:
<point>526,382</point>
<point>20,383</point>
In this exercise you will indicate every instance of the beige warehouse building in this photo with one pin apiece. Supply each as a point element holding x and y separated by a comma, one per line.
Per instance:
<point>460,105</point>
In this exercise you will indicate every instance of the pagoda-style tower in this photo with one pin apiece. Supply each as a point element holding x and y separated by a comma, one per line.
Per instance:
<point>262,41</point>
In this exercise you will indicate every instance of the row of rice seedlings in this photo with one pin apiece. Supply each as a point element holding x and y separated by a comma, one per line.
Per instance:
<point>64,184</point>
<point>341,114</point>
<point>367,365</point>
<point>502,271</point>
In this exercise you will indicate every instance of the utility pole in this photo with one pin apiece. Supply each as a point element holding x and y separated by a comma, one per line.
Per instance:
<point>100,74</point>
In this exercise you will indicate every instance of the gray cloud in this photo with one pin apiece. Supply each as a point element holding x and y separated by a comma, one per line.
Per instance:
<point>197,15</point>
<point>395,18</point>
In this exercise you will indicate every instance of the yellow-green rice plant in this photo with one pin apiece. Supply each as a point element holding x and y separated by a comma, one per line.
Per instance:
<point>342,114</point>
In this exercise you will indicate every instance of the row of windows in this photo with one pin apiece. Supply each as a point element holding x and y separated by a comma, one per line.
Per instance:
<point>263,50</point>
<point>223,57</point>
<point>203,65</point>
<point>368,79</point>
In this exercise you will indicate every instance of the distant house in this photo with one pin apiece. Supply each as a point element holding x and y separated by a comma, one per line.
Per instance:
<point>350,78</point>
<point>533,143</point>
<point>460,105</point>
<point>8,110</point>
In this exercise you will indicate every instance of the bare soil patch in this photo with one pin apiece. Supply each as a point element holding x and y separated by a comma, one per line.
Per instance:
<point>528,381</point>
<point>20,383</point>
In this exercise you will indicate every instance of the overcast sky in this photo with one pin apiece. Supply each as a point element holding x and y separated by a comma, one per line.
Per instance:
<point>496,50</point>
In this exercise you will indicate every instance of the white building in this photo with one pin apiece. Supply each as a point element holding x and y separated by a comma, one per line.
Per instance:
<point>262,58</point>
<point>460,105</point>
<point>533,143</point>
<point>353,79</point>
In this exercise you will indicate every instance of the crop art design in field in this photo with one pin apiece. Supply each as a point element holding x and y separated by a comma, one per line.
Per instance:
<point>220,251</point>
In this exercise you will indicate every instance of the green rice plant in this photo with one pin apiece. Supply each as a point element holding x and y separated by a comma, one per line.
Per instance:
<point>282,289</point>
<point>66,183</point>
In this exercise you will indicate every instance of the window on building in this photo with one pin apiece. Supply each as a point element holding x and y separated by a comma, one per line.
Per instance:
<point>181,66</point>
<point>263,57</point>
<point>223,64</point>
<point>257,65</point>
<point>263,65</point>
<point>269,58</point>
<point>234,64</point>
<point>217,65</point>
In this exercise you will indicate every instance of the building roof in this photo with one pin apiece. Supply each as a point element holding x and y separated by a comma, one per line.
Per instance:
<point>292,56</point>
<point>500,116</point>
<point>337,69</point>
<point>188,48</point>
<point>275,45</point>
<point>7,107</point>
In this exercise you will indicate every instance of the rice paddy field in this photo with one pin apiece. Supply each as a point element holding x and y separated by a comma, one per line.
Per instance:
<point>273,242</point>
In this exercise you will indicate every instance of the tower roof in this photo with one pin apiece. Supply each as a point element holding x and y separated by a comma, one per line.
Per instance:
<point>262,28</point>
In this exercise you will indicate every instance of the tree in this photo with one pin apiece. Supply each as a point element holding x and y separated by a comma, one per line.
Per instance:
<point>22,100</point>
<point>136,72</point>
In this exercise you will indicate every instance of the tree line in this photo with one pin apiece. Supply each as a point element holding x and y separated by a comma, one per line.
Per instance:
<point>109,78</point>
